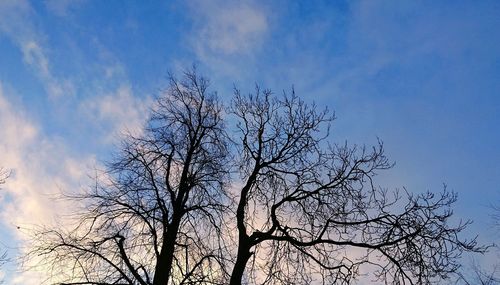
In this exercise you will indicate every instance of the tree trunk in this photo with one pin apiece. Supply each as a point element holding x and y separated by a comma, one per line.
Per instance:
<point>163,266</point>
<point>164,263</point>
<point>244,241</point>
<point>244,255</point>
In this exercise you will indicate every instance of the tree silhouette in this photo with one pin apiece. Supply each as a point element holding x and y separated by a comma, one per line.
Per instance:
<point>306,204</point>
<point>270,201</point>
<point>150,218</point>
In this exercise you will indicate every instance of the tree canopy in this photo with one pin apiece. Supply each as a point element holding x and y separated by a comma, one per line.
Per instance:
<point>253,191</point>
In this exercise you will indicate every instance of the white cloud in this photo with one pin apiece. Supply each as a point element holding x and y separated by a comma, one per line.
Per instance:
<point>227,36</point>
<point>41,168</point>
<point>118,112</point>
<point>45,166</point>
<point>227,28</point>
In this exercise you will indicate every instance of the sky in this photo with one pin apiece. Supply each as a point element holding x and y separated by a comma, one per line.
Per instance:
<point>423,76</point>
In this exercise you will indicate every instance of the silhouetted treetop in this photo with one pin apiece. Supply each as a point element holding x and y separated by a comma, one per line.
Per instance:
<point>254,191</point>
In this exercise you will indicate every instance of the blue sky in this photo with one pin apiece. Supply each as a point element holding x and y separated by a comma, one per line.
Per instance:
<point>424,76</point>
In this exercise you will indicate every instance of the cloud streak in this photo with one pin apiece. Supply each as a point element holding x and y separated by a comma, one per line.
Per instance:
<point>225,31</point>
<point>16,23</point>
<point>117,113</point>
<point>229,29</point>
<point>62,8</point>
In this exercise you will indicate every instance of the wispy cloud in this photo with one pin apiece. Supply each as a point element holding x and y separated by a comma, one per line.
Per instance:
<point>41,168</point>
<point>62,8</point>
<point>117,112</point>
<point>223,30</point>
<point>16,22</point>
<point>35,57</point>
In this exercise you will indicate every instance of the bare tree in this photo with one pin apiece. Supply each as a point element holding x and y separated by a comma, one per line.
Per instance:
<point>153,215</point>
<point>310,211</point>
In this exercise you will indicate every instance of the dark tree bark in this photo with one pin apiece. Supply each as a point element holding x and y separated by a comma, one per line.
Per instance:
<point>244,245</point>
